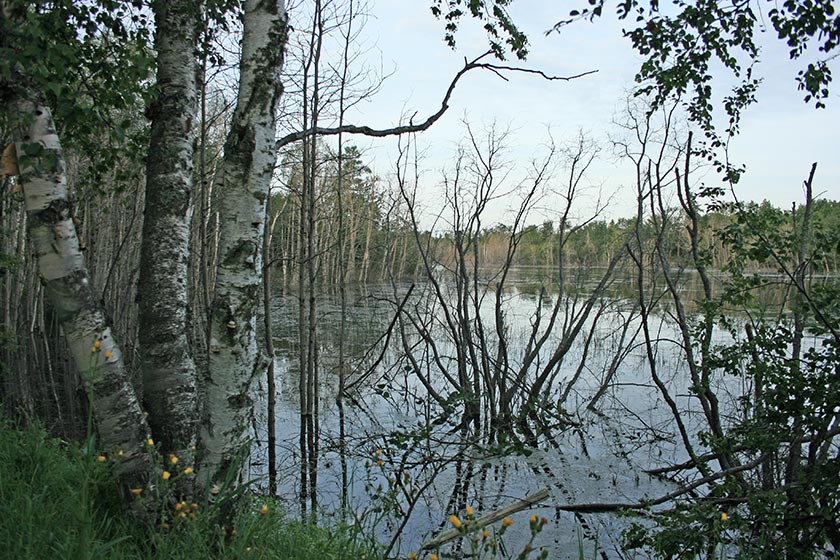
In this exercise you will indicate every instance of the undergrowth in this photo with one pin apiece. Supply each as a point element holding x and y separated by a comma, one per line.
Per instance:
<point>57,500</point>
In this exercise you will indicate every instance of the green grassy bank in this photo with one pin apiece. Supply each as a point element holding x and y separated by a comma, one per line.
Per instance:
<point>58,501</point>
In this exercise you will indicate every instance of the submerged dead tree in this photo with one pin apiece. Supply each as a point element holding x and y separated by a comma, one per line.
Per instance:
<point>456,339</point>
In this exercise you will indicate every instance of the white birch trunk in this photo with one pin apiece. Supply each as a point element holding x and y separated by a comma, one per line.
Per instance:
<point>117,415</point>
<point>169,374</point>
<point>234,355</point>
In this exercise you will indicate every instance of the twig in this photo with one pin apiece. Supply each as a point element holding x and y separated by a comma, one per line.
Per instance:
<point>516,506</point>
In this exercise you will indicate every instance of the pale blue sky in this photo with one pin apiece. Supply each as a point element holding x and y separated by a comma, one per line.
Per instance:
<point>781,136</point>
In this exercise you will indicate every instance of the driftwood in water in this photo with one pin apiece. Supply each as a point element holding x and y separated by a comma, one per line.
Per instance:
<point>516,506</point>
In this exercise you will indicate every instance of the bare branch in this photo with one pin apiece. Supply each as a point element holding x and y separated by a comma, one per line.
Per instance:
<point>411,127</point>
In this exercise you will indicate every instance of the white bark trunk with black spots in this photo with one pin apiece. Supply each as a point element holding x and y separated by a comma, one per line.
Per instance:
<point>117,416</point>
<point>169,372</point>
<point>250,153</point>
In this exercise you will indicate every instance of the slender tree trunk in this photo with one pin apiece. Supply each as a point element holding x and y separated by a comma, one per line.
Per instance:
<point>269,349</point>
<point>234,358</point>
<point>313,382</point>
<point>169,373</point>
<point>366,255</point>
<point>342,272</point>
<point>96,355</point>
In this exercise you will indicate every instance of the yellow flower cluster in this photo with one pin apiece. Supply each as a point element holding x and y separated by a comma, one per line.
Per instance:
<point>183,507</point>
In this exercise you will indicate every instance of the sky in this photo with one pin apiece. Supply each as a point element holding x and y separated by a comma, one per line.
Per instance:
<point>781,135</point>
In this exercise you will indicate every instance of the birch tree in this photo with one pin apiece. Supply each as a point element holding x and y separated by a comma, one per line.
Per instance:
<point>42,57</point>
<point>245,177</point>
<point>41,173</point>
<point>169,374</point>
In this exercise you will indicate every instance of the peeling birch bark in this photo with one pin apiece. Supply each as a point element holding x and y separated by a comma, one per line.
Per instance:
<point>117,415</point>
<point>168,369</point>
<point>234,357</point>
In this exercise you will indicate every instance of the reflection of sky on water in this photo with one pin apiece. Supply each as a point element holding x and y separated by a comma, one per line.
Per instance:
<point>599,461</point>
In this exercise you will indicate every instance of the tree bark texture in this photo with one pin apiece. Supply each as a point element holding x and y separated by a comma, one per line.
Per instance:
<point>117,415</point>
<point>234,357</point>
<point>168,368</point>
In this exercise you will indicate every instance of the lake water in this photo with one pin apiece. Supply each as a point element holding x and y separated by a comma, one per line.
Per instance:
<point>598,457</point>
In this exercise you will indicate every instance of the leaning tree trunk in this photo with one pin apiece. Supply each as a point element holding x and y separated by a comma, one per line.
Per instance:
<point>234,357</point>
<point>118,418</point>
<point>169,375</point>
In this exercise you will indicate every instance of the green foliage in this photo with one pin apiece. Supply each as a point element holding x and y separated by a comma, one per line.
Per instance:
<point>680,45</point>
<point>777,495</point>
<point>91,63</point>
<point>502,32</point>
<point>684,43</point>
<point>59,501</point>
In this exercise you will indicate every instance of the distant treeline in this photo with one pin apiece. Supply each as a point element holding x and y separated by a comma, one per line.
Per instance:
<point>373,235</point>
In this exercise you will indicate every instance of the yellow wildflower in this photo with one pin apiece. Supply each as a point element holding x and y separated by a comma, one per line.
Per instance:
<point>97,344</point>
<point>120,453</point>
<point>485,534</point>
<point>247,549</point>
<point>194,505</point>
<point>455,521</point>
<point>507,521</point>
<point>433,557</point>
<point>724,517</point>
<point>188,470</point>
<point>150,441</point>
<point>136,491</point>
<point>379,452</point>
<point>173,459</point>
<point>93,349</point>
<point>469,510</point>
<point>379,462</point>
<point>166,475</point>
<point>107,354</point>
<point>178,506</point>
<point>534,518</point>
<point>101,458</point>
<point>412,555</point>
<point>264,509</point>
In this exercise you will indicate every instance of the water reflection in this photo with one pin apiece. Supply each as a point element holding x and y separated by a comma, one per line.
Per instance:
<point>408,469</point>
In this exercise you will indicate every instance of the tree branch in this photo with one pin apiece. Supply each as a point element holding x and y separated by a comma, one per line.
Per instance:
<point>605,507</point>
<point>411,127</point>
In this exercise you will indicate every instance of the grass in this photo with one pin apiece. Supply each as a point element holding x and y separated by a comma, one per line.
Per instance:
<point>57,501</point>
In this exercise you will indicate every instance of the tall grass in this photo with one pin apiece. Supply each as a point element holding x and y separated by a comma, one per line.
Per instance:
<point>57,501</point>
